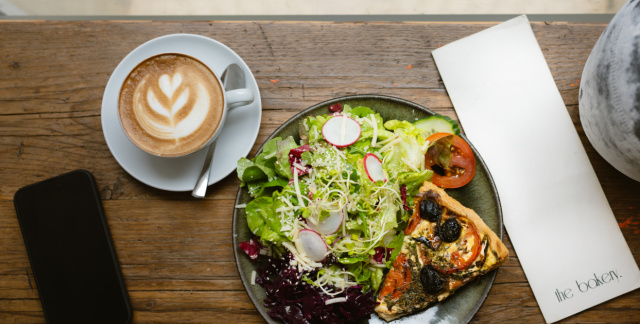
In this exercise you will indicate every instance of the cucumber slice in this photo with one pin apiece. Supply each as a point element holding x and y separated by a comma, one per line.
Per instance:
<point>437,124</point>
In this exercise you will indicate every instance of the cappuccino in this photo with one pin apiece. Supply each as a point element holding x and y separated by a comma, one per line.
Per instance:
<point>171,105</point>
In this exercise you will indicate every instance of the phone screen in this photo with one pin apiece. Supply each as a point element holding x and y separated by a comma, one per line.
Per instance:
<point>71,253</point>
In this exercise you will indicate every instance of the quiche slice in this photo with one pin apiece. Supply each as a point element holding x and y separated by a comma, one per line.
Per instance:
<point>446,245</point>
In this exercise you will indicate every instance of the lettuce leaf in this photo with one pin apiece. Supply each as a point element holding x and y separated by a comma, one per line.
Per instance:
<point>407,155</point>
<point>413,181</point>
<point>405,126</point>
<point>260,173</point>
<point>396,245</point>
<point>248,171</point>
<point>283,168</point>
<point>376,278</point>
<point>262,220</point>
<point>362,111</point>
<point>315,128</point>
<point>260,188</point>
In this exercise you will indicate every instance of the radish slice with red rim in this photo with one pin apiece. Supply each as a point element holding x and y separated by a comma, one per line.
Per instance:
<point>341,131</point>
<point>328,225</point>
<point>373,167</point>
<point>313,244</point>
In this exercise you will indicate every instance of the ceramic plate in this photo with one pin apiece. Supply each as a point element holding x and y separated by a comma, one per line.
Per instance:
<point>180,174</point>
<point>480,194</point>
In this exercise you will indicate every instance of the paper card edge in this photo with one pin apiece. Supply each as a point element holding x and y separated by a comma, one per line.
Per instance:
<point>512,20</point>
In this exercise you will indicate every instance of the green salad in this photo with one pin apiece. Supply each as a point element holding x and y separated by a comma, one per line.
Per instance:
<point>336,199</point>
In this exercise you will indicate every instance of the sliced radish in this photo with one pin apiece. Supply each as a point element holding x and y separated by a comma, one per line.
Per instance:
<point>341,131</point>
<point>313,244</point>
<point>373,167</point>
<point>328,225</point>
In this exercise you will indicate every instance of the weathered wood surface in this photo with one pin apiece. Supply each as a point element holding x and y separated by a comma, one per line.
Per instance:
<point>175,251</point>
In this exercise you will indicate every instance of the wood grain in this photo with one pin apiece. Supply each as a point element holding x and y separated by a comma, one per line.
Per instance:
<point>176,252</point>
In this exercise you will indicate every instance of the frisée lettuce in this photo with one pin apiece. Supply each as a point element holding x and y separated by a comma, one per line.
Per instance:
<point>310,184</point>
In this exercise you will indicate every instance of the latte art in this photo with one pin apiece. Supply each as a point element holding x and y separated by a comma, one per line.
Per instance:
<point>171,105</point>
<point>148,108</point>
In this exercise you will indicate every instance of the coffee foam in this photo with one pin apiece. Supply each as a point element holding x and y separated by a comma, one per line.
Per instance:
<point>171,105</point>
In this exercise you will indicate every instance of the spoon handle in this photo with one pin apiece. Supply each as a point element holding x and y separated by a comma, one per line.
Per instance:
<point>203,179</point>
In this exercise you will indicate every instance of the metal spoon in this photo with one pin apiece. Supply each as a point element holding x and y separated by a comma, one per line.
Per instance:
<point>232,78</point>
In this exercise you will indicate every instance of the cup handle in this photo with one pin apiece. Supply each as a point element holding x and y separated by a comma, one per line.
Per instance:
<point>239,97</point>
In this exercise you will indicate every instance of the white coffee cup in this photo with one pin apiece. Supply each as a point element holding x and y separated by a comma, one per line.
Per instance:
<point>173,104</point>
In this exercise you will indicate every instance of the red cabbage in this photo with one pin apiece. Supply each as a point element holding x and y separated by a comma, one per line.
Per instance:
<point>337,108</point>
<point>382,254</point>
<point>251,247</point>
<point>292,300</point>
<point>403,192</point>
<point>295,156</point>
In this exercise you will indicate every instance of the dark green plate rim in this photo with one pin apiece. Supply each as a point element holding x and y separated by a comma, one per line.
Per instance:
<point>467,301</point>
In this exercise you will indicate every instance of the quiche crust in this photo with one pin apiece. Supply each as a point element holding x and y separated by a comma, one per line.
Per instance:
<point>493,254</point>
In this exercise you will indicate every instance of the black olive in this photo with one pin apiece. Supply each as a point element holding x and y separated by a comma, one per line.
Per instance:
<point>431,280</point>
<point>429,210</point>
<point>424,241</point>
<point>450,230</point>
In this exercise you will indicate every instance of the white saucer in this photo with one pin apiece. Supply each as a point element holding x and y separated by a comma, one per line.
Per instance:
<point>180,174</point>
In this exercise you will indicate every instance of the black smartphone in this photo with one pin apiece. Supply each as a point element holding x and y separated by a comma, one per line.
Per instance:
<point>72,256</point>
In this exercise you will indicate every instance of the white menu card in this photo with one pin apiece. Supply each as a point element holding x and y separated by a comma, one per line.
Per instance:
<point>555,212</point>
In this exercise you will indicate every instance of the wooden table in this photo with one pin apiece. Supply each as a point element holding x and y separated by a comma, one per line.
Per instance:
<point>176,251</point>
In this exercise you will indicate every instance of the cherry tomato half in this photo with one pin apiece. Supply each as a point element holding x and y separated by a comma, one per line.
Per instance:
<point>462,260</point>
<point>462,166</point>
<point>412,223</point>
<point>397,279</point>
